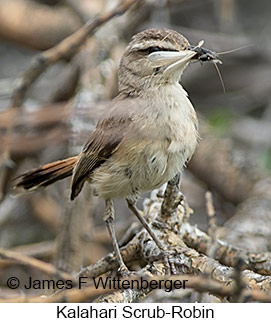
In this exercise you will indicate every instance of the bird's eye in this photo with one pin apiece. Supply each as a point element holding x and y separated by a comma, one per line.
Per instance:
<point>153,49</point>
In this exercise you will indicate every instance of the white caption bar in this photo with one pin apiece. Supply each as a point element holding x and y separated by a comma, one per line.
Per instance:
<point>179,312</point>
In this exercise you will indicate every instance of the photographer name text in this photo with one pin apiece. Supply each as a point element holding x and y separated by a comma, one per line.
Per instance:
<point>110,283</point>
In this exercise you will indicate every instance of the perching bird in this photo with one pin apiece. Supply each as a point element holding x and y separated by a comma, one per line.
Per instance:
<point>147,135</point>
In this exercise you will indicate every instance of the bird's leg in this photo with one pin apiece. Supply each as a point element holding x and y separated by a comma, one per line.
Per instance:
<point>170,268</point>
<point>132,206</point>
<point>109,216</point>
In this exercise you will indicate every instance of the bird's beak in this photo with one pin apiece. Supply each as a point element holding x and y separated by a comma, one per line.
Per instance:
<point>172,61</point>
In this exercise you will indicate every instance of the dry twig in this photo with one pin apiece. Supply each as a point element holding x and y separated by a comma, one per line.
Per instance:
<point>66,49</point>
<point>211,215</point>
<point>198,283</point>
<point>43,267</point>
<point>225,253</point>
<point>186,260</point>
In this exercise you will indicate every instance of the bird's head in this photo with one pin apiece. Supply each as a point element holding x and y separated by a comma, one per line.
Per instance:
<point>154,57</point>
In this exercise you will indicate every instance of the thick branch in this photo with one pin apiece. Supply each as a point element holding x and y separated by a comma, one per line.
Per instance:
<point>225,253</point>
<point>250,227</point>
<point>48,25</point>
<point>109,262</point>
<point>223,166</point>
<point>198,283</point>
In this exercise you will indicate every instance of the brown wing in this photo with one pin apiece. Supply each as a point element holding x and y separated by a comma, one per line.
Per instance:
<point>104,140</point>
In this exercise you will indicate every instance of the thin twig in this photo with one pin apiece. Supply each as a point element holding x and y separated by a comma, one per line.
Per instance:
<point>239,283</point>
<point>42,266</point>
<point>73,295</point>
<point>66,49</point>
<point>211,215</point>
<point>212,229</point>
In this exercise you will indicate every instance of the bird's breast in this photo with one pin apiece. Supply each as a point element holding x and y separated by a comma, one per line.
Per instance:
<point>165,137</point>
<point>177,122</point>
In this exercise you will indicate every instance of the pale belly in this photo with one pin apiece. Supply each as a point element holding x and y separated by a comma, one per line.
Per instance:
<point>142,172</point>
<point>167,139</point>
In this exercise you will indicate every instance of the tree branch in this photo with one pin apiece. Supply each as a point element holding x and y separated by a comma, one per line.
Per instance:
<point>66,49</point>
<point>42,266</point>
<point>226,253</point>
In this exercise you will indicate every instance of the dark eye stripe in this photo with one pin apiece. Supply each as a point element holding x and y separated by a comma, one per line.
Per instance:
<point>153,49</point>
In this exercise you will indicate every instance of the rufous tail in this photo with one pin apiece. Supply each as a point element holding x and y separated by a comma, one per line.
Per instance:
<point>46,175</point>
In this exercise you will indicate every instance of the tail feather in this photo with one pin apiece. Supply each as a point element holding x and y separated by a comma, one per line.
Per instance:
<point>46,175</point>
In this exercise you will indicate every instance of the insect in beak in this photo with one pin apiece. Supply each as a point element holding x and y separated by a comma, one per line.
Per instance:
<point>204,54</point>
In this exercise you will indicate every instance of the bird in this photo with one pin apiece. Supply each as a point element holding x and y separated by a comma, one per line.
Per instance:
<point>146,136</point>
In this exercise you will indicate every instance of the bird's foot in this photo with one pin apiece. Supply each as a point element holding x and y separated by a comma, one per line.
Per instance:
<point>167,259</point>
